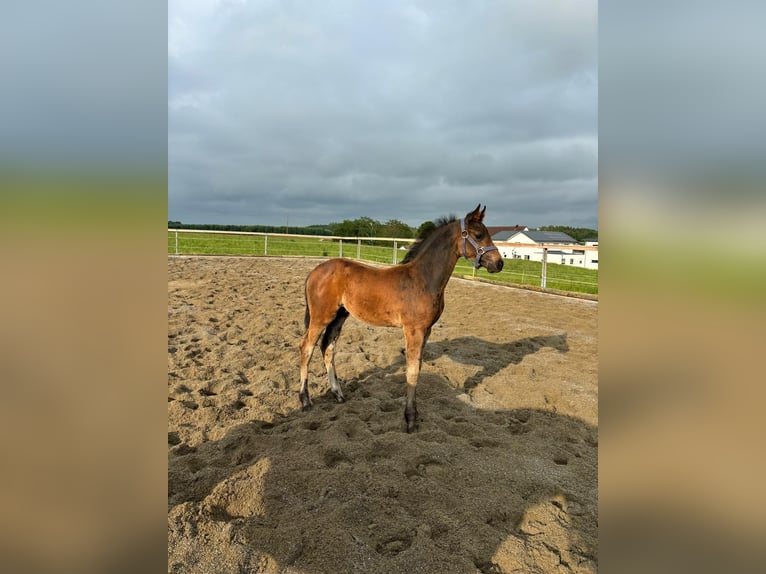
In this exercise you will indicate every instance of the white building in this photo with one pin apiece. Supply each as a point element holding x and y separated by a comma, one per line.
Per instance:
<point>527,245</point>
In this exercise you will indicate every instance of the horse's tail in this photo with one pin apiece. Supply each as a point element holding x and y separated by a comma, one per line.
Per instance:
<point>307,317</point>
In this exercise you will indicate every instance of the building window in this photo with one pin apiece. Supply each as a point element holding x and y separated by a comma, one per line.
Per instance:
<point>594,260</point>
<point>526,257</point>
<point>571,261</point>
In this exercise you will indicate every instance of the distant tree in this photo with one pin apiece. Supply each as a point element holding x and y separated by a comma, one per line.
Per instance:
<point>174,224</point>
<point>425,228</point>
<point>368,227</point>
<point>314,230</point>
<point>360,227</point>
<point>578,233</point>
<point>347,228</point>
<point>395,228</point>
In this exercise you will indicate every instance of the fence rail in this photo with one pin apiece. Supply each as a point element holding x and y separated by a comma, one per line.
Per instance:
<point>204,242</point>
<point>384,250</point>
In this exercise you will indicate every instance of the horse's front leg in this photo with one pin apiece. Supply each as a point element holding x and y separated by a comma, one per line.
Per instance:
<point>414,342</point>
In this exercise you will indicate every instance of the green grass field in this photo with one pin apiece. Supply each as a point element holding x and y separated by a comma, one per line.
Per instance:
<point>522,272</point>
<point>518,271</point>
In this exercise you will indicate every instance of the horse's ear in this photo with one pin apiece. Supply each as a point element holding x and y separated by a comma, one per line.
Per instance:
<point>476,215</point>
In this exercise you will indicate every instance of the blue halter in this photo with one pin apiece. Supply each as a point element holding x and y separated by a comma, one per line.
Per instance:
<point>479,249</point>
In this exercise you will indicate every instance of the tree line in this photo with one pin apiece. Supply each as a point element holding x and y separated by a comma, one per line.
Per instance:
<point>578,233</point>
<point>309,230</point>
<point>369,227</point>
<point>362,227</point>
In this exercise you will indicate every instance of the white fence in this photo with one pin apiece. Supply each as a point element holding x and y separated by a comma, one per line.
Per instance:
<point>205,242</point>
<point>384,250</point>
<point>585,256</point>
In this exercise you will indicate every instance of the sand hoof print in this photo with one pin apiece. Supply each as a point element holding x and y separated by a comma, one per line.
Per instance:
<point>394,545</point>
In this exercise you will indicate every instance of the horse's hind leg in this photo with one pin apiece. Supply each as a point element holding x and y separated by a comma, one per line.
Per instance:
<point>323,299</point>
<point>308,342</point>
<point>331,334</point>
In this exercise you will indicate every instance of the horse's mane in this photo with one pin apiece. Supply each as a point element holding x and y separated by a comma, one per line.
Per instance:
<point>427,234</point>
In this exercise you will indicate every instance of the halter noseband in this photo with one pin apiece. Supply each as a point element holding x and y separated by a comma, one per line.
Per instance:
<point>479,249</point>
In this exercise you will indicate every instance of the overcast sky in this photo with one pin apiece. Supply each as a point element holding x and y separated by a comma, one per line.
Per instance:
<point>313,112</point>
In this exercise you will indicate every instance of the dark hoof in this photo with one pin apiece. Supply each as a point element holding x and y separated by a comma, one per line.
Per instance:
<point>305,401</point>
<point>411,418</point>
<point>340,398</point>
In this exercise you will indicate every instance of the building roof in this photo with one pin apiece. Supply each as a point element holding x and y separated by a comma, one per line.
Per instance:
<point>501,235</point>
<point>495,229</point>
<point>541,237</point>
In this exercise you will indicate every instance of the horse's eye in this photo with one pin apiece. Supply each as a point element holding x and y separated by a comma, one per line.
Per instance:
<point>479,236</point>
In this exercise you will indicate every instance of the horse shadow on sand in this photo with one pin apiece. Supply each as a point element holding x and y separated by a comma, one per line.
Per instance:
<point>490,356</point>
<point>343,488</point>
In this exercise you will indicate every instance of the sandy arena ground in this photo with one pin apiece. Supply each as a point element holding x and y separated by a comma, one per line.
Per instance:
<point>501,476</point>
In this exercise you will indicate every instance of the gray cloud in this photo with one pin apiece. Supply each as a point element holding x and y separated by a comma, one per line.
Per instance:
<point>83,85</point>
<point>399,110</point>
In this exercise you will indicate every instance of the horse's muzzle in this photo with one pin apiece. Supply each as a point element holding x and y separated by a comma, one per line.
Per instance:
<point>494,266</point>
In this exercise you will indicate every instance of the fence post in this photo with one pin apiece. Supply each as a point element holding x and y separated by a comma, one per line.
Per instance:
<point>394,261</point>
<point>358,248</point>
<point>176,242</point>
<point>265,244</point>
<point>340,248</point>
<point>544,274</point>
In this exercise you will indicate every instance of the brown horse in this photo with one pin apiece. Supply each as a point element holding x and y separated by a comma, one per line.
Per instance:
<point>409,295</point>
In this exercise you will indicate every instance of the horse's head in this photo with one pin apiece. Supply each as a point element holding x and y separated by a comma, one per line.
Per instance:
<point>476,243</point>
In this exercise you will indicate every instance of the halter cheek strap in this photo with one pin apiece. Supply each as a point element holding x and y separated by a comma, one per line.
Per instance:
<point>479,249</point>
